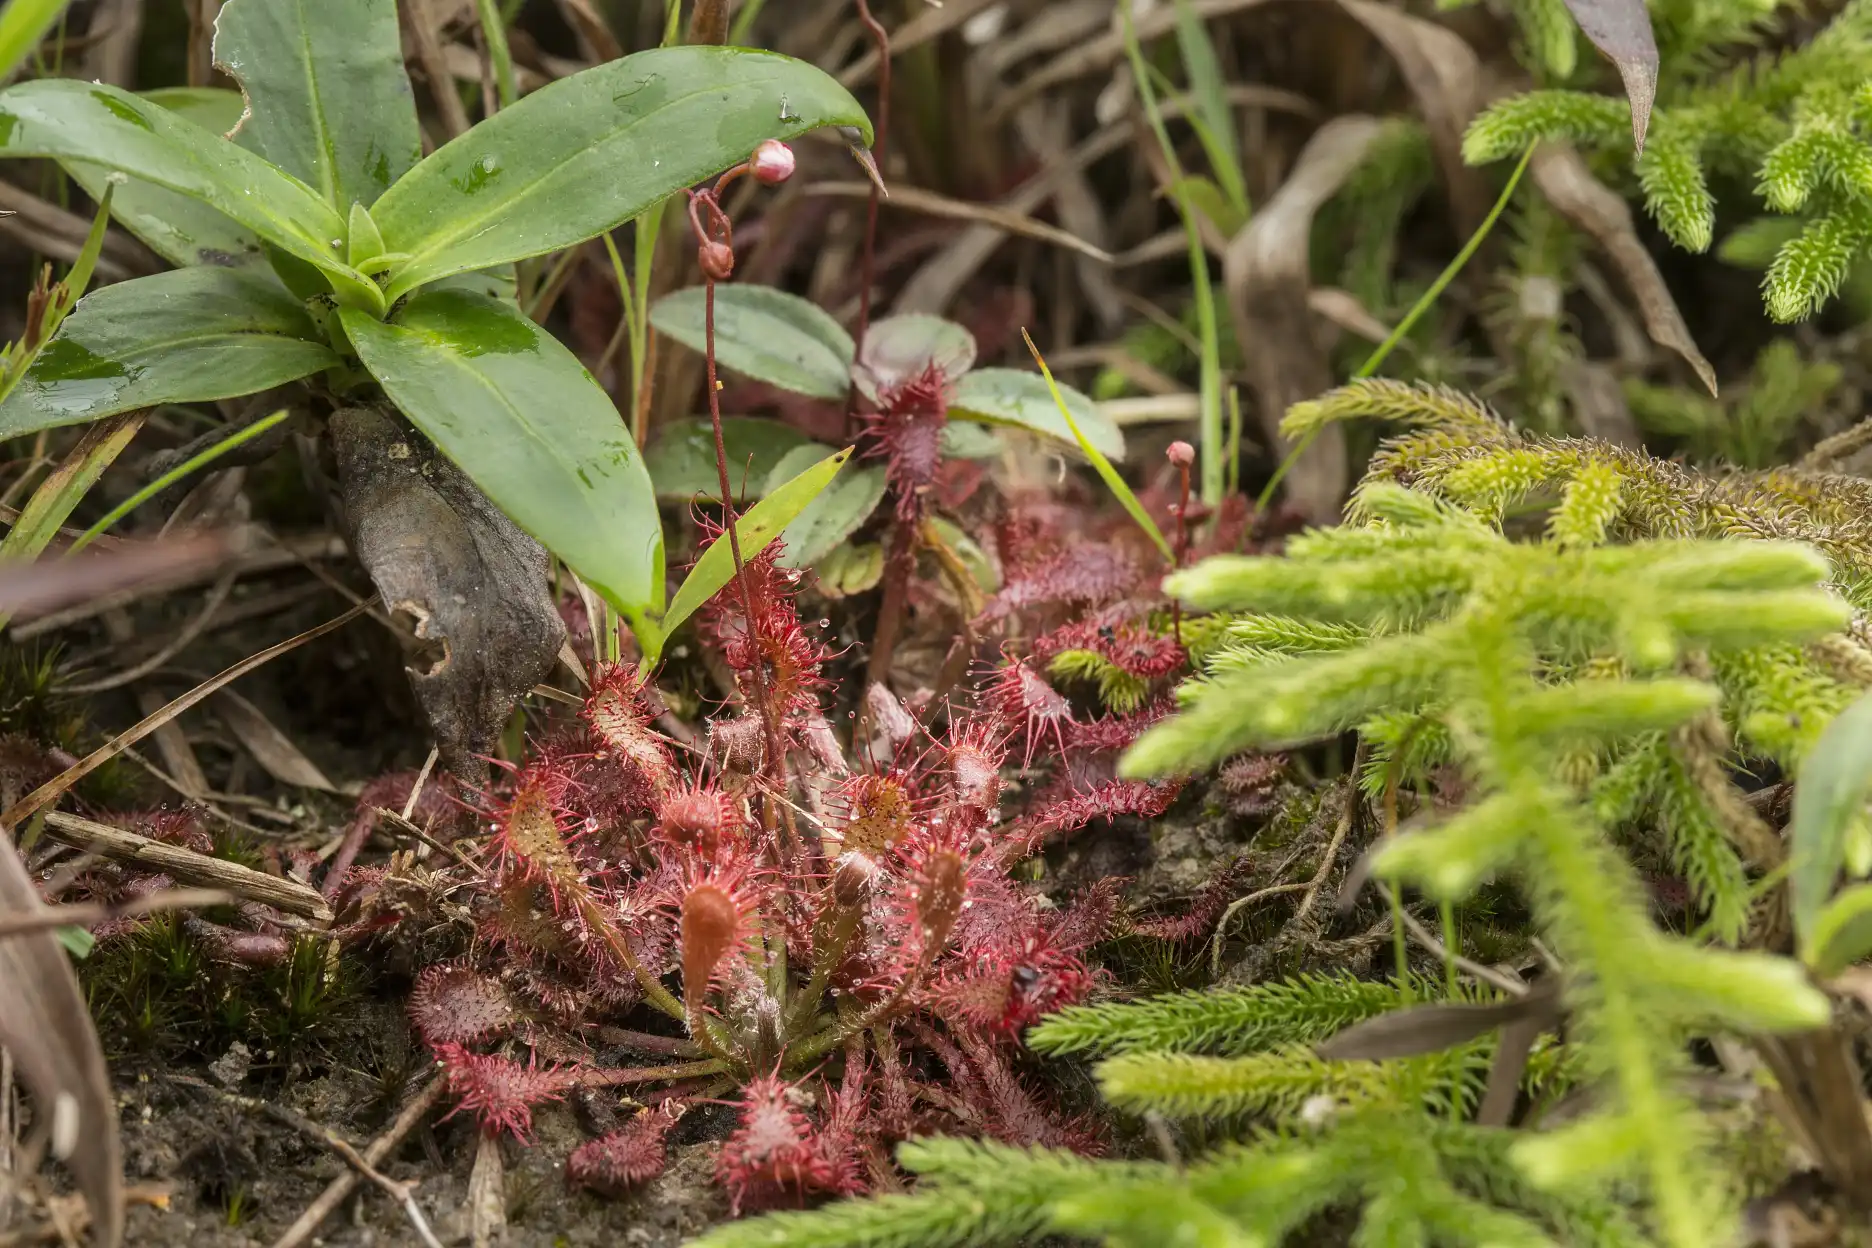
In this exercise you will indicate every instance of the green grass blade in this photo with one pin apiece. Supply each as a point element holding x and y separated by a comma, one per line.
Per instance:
<point>1104,466</point>
<point>23,23</point>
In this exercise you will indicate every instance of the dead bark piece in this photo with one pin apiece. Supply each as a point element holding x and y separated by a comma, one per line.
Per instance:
<point>472,584</point>
<point>1601,211</point>
<point>1266,276</point>
<point>1622,30</point>
<point>487,1193</point>
<point>46,1026</point>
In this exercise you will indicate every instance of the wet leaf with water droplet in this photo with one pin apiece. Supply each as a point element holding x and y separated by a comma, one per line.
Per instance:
<point>189,336</point>
<point>590,151</point>
<point>519,414</point>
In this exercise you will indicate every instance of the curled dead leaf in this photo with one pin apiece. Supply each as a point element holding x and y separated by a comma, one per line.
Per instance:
<point>1622,30</point>
<point>1265,272</point>
<point>473,586</point>
<point>1602,213</point>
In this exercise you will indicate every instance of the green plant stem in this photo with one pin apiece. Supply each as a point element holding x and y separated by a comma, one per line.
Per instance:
<point>1210,390</point>
<point>845,926</point>
<point>23,23</point>
<point>494,31</point>
<point>1384,349</point>
<point>744,21</point>
<point>176,474</point>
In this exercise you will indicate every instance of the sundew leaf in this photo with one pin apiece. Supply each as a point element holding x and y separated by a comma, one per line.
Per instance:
<point>590,151</point>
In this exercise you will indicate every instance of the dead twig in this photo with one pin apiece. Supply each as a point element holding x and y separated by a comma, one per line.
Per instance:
<point>341,1187</point>
<point>186,866</point>
<point>89,914</point>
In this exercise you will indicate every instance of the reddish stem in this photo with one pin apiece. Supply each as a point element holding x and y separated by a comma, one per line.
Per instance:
<point>868,260</point>
<point>1182,547</point>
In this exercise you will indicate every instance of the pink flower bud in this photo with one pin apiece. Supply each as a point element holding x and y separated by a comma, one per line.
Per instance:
<point>716,259</point>
<point>772,162</point>
<point>1182,454</point>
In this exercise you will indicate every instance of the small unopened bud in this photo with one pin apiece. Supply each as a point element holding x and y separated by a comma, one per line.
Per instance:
<point>1182,454</point>
<point>852,880</point>
<point>716,259</point>
<point>772,162</point>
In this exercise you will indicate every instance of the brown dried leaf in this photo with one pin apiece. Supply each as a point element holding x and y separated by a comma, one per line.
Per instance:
<point>270,747</point>
<point>1268,283</point>
<point>1432,1028</point>
<point>1622,30</point>
<point>1600,211</point>
<point>44,1023</point>
<point>473,584</point>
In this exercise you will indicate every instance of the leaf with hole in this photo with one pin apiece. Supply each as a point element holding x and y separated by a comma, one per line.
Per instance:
<point>902,348</point>
<point>104,125</point>
<point>833,516</point>
<point>590,151</point>
<point>519,414</point>
<point>1829,795</point>
<point>761,524</point>
<point>190,336</point>
<point>763,334</point>
<point>1012,396</point>
<point>181,230</point>
<point>682,458</point>
<point>328,97</point>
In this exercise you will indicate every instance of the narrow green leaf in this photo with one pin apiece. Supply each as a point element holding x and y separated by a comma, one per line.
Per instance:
<point>589,152</point>
<point>328,98</point>
<point>23,23</point>
<point>1109,474</point>
<point>55,498</point>
<point>78,279</point>
<point>516,411</point>
<point>69,120</point>
<point>682,458</point>
<point>363,243</point>
<point>77,941</point>
<point>1842,932</point>
<point>181,230</point>
<point>833,516</point>
<point>1012,396</point>
<point>1219,134</point>
<point>1830,793</point>
<point>190,336</point>
<point>763,333</point>
<point>763,522</point>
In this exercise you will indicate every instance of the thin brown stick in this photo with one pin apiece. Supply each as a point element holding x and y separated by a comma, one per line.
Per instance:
<point>89,913</point>
<point>417,20</point>
<point>56,787</point>
<point>341,1187</point>
<point>186,866</point>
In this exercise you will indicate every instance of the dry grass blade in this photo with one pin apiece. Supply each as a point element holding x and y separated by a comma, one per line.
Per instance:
<point>89,914</point>
<point>1601,212</point>
<point>54,788</point>
<point>36,588</point>
<point>1819,1096</point>
<point>1266,277</point>
<point>1432,1028</point>
<point>1622,30</point>
<point>186,866</point>
<point>595,38</point>
<point>932,204</point>
<point>45,1025</point>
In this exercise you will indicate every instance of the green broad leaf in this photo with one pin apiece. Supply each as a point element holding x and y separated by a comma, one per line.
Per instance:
<point>1842,932</point>
<point>181,230</point>
<point>832,517</point>
<point>765,334</point>
<point>1012,396</point>
<point>328,98</point>
<point>962,440</point>
<point>1829,795</point>
<point>519,414</point>
<point>762,523</point>
<point>682,458</point>
<point>589,152</point>
<point>69,120</point>
<point>969,553</point>
<point>190,336</point>
<point>23,23</point>
<point>851,569</point>
<point>898,349</point>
